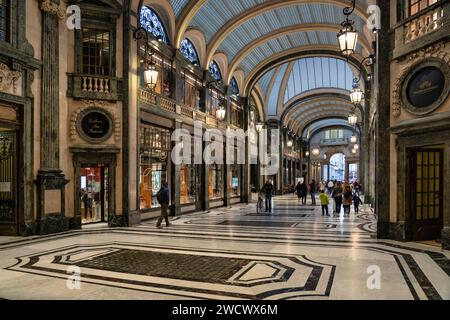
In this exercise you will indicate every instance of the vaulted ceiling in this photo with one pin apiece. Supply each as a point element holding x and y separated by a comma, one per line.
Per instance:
<point>286,49</point>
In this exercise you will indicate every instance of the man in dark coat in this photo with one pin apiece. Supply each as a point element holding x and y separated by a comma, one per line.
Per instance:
<point>163,197</point>
<point>268,190</point>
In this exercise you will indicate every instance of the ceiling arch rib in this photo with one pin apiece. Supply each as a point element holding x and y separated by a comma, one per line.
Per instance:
<point>290,55</point>
<point>295,35</point>
<point>314,117</point>
<point>318,126</point>
<point>292,122</point>
<point>270,7</point>
<point>186,10</point>
<point>304,131</point>
<point>319,72</point>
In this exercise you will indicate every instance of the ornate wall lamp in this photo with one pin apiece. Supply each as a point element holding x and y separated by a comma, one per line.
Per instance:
<point>151,72</point>
<point>348,36</point>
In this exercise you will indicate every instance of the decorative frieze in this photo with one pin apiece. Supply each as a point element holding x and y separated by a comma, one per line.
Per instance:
<point>9,79</point>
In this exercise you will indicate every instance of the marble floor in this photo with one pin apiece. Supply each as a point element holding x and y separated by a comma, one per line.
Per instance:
<point>227,253</point>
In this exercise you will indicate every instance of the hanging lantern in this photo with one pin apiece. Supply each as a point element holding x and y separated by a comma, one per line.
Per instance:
<point>356,95</point>
<point>307,153</point>
<point>315,151</point>
<point>151,77</point>
<point>259,127</point>
<point>347,36</point>
<point>354,151</point>
<point>220,114</point>
<point>289,143</point>
<point>352,118</point>
<point>353,139</point>
<point>356,147</point>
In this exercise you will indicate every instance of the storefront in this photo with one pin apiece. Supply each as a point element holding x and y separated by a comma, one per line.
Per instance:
<point>9,168</point>
<point>155,147</point>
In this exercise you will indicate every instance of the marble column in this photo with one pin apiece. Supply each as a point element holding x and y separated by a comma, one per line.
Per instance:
<point>382,146</point>
<point>176,203</point>
<point>50,180</point>
<point>246,192</point>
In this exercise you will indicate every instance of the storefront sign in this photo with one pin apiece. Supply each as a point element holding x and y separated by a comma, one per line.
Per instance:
<point>95,125</point>
<point>425,87</point>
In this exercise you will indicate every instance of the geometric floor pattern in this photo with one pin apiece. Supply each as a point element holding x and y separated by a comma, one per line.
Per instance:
<point>227,253</point>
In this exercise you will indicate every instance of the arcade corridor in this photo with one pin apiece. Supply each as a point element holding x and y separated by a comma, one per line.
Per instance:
<point>141,139</point>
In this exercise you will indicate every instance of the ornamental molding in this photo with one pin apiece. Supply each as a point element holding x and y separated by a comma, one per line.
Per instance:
<point>8,78</point>
<point>53,8</point>
<point>93,104</point>
<point>436,51</point>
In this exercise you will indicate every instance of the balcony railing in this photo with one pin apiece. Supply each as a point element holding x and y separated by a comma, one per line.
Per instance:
<point>428,22</point>
<point>166,104</point>
<point>84,86</point>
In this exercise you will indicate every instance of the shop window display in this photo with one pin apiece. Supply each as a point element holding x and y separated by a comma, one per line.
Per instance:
<point>215,100</point>
<point>215,181</point>
<point>190,88</point>
<point>154,168</point>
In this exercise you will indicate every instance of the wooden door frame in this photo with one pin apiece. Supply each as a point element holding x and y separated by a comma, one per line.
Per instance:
<point>17,182</point>
<point>428,135</point>
<point>86,156</point>
<point>413,189</point>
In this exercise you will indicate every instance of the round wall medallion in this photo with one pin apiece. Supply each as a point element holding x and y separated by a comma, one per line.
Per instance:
<point>426,87</point>
<point>95,125</point>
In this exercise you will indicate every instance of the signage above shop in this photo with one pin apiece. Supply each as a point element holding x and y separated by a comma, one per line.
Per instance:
<point>95,125</point>
<point>426,86</point>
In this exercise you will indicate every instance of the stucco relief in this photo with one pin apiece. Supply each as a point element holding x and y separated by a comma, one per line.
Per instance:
<point>9,79</point>
<point>53,8</point>
<point>94,104</point>
<point>436,51</point>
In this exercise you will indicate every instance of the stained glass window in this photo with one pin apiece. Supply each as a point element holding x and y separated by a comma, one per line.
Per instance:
<point>189,52</point>
<point>152,23</point>
<point>234,86</point>
<point>215,71</point>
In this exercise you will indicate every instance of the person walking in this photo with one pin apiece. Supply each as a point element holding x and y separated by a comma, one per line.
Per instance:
<point>337,196</point>
<point>304,191</point>
<point>356,201</point>
<point>312,190</point>
<point>268,191</point>
<point>87,204</point>
<point>330,186</point>
<point>163,197</point>
<point>298,191</point>
<point>347,199</point>
<point>324,201</point>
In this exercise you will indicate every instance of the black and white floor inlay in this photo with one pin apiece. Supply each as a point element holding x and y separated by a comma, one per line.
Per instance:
<point>228,253</point>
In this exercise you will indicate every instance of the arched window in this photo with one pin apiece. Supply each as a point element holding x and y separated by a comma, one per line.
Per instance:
<point>152,23</point>
<point>189,52</point>
<point>234,86</point>
<point>215,71</point>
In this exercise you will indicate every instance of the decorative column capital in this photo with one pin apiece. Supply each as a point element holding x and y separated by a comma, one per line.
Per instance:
<point>53,8</point>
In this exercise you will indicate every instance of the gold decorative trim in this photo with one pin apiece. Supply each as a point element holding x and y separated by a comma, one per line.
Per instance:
<point>435,51</point>
<point>8,78</point>
<point>53,8</point>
